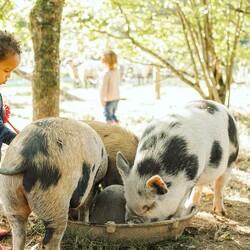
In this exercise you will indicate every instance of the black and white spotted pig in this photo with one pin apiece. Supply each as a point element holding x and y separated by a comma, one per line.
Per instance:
<point>195,146</point>
<point>50,166</point>
<point>115,138</point>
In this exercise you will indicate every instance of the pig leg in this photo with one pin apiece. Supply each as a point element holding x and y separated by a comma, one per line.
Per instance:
<point>83,213</point>
<point>185,206</point>
<point>53,211</point>
<point>17,211</point>
<point>18,225</point>
<point>83,210</point>
<point>219,185</point>
<point>54,231</point>
<point>197,192</point>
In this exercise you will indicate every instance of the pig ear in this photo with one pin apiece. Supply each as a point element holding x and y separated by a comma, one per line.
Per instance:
<point>122,165</point>
<point>157,185</point>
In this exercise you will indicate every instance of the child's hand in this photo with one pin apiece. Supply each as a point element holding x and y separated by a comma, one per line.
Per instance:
<point>7,113</point>
<point>103,103</point>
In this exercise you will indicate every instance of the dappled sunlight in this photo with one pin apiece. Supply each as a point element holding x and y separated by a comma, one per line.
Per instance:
<point>208,219</point>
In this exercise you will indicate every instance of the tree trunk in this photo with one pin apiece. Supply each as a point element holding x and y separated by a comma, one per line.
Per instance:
<point>45,25</point>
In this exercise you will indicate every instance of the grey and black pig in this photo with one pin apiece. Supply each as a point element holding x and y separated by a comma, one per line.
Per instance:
<point>115,138</point>
<point>52,165</point>
<point>109,205</point>
<point>194,146</point>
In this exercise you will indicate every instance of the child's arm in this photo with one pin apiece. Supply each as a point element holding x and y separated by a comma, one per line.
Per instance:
<point>104,90</point>
<point>6,134</point>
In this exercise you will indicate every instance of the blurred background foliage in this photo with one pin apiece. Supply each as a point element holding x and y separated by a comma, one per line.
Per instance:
<point>195,40</point>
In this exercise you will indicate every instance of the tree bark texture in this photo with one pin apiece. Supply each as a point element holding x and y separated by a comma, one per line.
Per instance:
<point>45,27</point>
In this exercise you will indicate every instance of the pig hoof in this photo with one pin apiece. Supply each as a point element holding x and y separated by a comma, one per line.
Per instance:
<point>220,212</point>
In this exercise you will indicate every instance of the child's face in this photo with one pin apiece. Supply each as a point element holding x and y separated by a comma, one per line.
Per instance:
<point>103,61</point>
<point>7,65</point>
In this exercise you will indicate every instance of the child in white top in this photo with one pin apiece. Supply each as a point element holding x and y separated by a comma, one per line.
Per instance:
<point>109,92</point>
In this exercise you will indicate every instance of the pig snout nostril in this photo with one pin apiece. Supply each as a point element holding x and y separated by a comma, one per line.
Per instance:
<point>154,220</point>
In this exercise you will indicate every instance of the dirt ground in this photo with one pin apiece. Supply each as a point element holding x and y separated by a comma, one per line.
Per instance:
<point>214,232</point>
<point>205,231</point>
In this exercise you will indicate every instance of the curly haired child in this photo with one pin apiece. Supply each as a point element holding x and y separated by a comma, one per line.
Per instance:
<point>10,56</point>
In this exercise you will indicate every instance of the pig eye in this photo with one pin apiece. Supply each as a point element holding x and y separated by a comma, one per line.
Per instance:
<point>148,208</point>
<point>168,184</point>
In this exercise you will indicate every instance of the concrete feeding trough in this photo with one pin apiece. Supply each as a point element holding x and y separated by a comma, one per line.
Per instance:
<point>107,222</point>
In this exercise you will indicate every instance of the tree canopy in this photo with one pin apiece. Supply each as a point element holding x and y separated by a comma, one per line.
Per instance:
<point>199,41</point>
